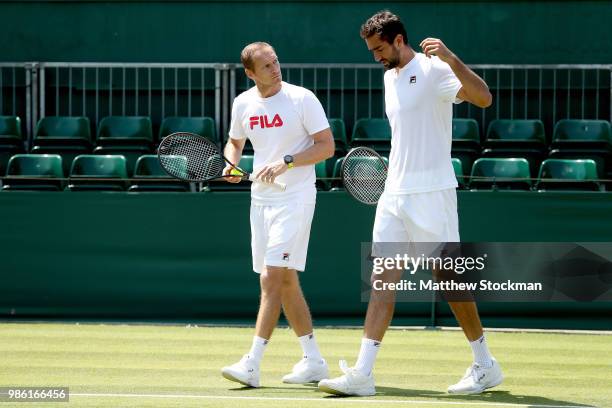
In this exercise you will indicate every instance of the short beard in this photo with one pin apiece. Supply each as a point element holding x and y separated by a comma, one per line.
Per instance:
<point>393,62</point>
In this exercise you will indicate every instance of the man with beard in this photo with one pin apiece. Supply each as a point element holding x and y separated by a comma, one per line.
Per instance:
<point>419,203</point>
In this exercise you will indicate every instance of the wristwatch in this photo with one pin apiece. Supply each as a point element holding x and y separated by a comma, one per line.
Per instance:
<point>289,161</point>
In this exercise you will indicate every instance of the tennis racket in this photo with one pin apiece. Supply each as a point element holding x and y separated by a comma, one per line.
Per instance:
<point>364,173</point>
<point>193,158</point>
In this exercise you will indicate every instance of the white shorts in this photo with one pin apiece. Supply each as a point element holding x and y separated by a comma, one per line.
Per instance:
<point>418,217</point>
<point>279,235</point>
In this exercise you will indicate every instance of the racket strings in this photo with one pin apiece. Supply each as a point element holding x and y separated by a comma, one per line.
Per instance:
<point>364,174</point>
<point>191,157</point>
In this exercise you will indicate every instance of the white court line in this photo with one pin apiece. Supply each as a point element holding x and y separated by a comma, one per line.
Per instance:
<point>339,400</point>
<point>324,326</point>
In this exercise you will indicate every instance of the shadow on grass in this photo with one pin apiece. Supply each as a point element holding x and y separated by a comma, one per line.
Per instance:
<point>493,396</point>
<point>297,388</point>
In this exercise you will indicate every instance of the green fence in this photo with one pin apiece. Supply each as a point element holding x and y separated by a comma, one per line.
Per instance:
<point>187,256</point>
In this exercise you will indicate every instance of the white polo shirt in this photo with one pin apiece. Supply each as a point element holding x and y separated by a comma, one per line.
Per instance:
<point>279,125</point>
<point>418,102</point>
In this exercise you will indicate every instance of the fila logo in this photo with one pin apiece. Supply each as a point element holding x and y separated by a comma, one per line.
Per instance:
<point>285,256</point>
<point>413,79</point>
<point>264,122</point>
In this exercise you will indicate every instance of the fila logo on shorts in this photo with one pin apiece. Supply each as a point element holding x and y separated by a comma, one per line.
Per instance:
<point>413,79</point>
<point>285,256</point>
<point>264,122</point>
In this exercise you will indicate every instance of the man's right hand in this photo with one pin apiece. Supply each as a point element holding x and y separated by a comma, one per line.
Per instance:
<point>227,170</point>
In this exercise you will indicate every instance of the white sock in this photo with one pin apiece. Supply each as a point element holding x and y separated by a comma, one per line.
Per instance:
<point>482,355</point>
<point>367,355</point>
<point>310,347</point>
<point>257,348</point>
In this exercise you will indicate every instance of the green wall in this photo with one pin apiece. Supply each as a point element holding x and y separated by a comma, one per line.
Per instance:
<point>187,256</point>
<point>303,31</point>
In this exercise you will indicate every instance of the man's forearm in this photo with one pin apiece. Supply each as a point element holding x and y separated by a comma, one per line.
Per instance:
<point>474,86</point>
<point>315,153</point>
<point>232,153</point>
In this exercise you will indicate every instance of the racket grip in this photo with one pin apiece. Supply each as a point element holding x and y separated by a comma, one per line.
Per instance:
<point>281,186</point>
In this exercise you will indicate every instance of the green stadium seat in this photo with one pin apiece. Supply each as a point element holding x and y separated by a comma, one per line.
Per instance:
<point>125,131</point>
<point>466,141</point>
<point>458,168</point>
<point>516,132</point>
<point>64,135</point>
<point>584,139</point>
<point>34,172</point>
<point>336,183</point>
<point>63,131</point>
<point>465,134</point>
<point>523,138</point>
<point>466,165</point>
<point>10,131</point>
<point>203,126</point>
<point>373,133</point>
<point>564,174</point>
<point>338,129</point>
<point>500,173</point>
<point>66,153</point>
<point>323,173</point>
<point>11,139</point>
<point>130,153</point>
<point>147,169</point>
<point>578,132</point>
<point>128,136</point>
<point>86,168</point>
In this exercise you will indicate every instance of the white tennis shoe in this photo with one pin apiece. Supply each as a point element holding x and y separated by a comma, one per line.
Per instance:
<point>245,372</point>
<point>353,382</point>
<point>477,379</point>
<point>307,371</point>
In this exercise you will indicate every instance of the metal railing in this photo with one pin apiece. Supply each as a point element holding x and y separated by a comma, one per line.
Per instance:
<point>156,90</point>
<point>17,91</point>
<point>348,91</point>
<point>546,92</point>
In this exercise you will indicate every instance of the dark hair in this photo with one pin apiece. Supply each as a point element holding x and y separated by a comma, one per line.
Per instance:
<point>386,24</point>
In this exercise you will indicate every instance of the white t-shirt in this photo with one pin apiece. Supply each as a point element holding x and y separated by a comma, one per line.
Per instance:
<point>279,125</point>
<point>418,103</point>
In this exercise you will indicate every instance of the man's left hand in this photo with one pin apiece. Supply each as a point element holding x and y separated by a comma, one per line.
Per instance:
<point>435,46</point>
<point>269,173</point>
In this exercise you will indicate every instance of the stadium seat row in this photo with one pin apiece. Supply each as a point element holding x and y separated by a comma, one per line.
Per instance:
<point>514,173</point>
<point>109,173</point>
<point>87,172</point>
<point>132,137</point>
<point>72,130</point>
<point>571,139</point>
<point>70,136</point>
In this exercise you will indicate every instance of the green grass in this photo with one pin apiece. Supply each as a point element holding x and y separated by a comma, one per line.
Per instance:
<point>413,366</point>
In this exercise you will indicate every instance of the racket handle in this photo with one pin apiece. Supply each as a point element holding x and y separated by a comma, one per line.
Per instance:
<point>281,186</point>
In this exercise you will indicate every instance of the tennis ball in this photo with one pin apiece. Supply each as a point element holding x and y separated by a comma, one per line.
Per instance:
<point>235,172</point>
